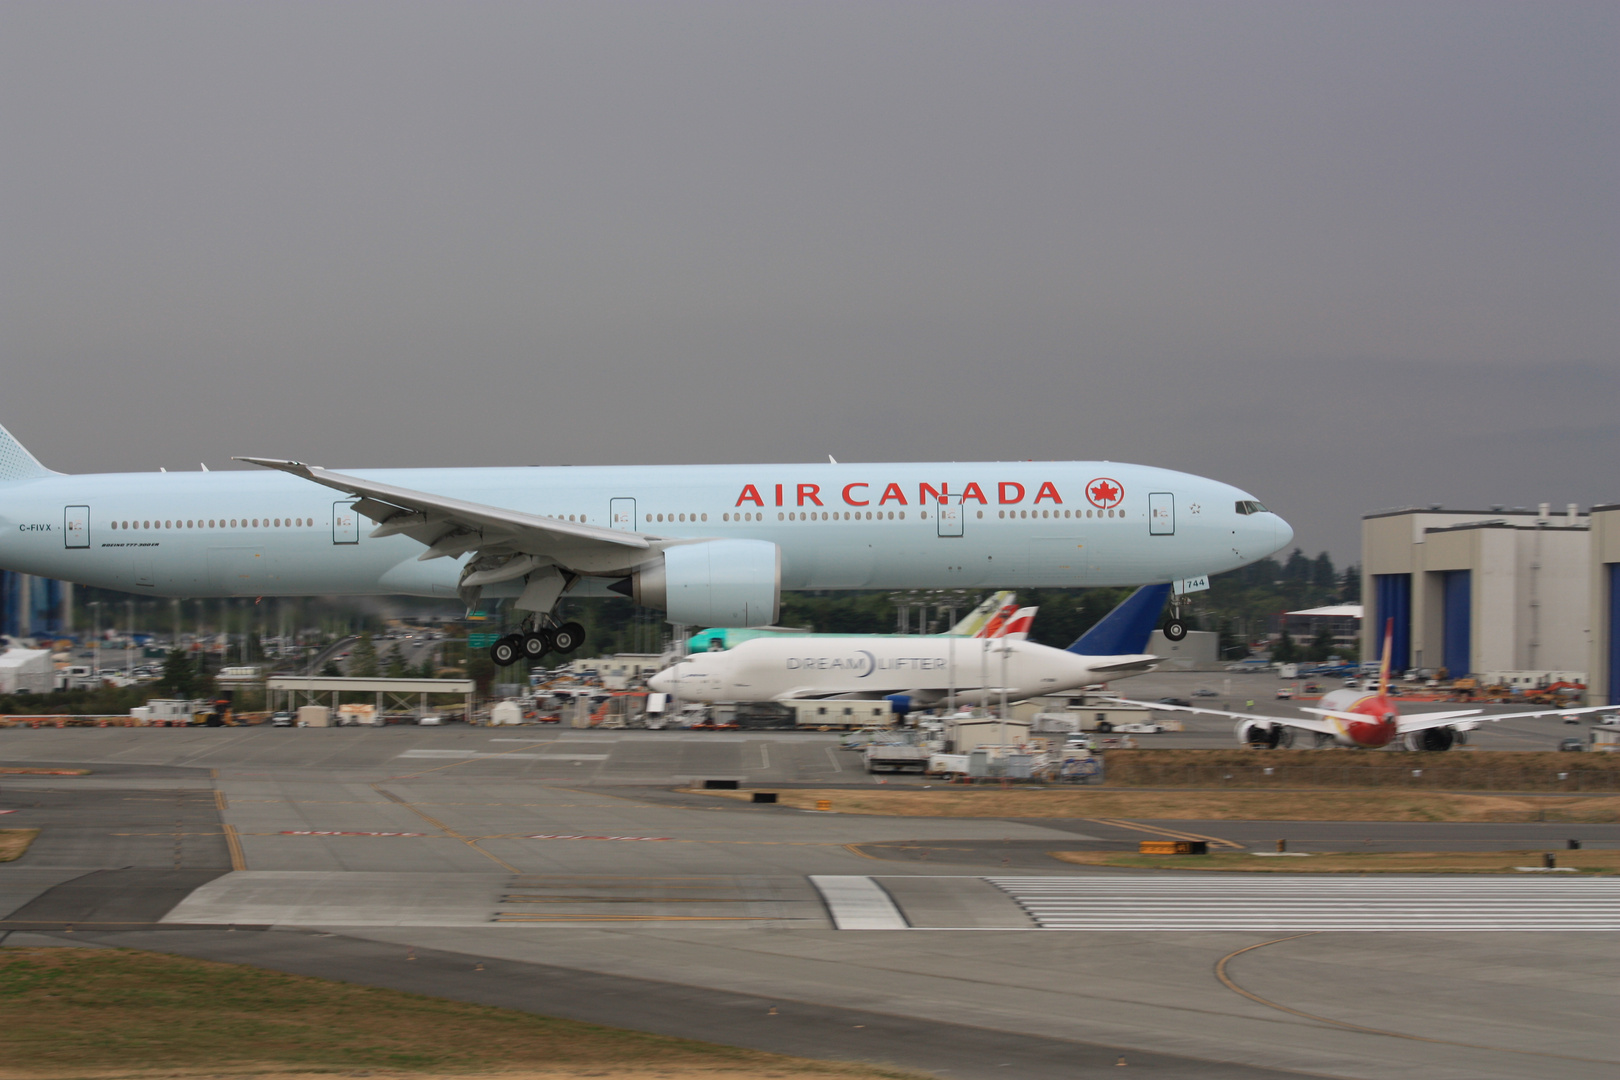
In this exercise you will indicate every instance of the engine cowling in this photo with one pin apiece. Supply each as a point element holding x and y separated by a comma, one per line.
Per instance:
<point>1269,736</point>
<point>1435,738</point>
<point>711,583</point>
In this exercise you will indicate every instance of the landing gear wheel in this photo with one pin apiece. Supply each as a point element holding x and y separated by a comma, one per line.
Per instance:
<point>505,652</point>
<point>568,637</point>
<point>536,644</point>
<point>1175,629</point>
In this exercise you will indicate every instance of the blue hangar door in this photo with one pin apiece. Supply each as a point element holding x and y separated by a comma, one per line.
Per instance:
<point>1456,642</point>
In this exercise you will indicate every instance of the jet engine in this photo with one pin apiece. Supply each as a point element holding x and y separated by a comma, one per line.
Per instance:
<point>711,583</point>
<point>1435,738</point>
<point>1264,736</point>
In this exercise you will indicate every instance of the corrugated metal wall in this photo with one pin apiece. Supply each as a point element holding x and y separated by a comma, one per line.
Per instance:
<point>1614,633</point>
<point>1456,651</point>
<point>1392,594</point>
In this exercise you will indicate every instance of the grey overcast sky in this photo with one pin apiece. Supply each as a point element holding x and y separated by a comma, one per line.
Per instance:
<point>1348,256</point>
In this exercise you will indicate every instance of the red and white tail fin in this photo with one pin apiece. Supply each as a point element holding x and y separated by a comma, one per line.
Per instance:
<point>1383,669</point>
<point>1017,627</point>
<point>998,621</point>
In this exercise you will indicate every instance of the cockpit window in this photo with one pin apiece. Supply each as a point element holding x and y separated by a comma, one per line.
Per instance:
<point>1249,506</point>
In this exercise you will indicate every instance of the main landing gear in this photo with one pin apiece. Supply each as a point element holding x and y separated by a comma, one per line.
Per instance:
<point>535,641</point>
<point>1175,629</point>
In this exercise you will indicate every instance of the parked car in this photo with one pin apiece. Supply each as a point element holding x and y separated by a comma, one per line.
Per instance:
<point>1609,719</point>
<point>1139,729</point>
<point>430,721</point>
<point>282,719</point>
<point>1204,691</point>
<point>1576,745</point>
<point>1183,702</point>
<point>1285,692</point>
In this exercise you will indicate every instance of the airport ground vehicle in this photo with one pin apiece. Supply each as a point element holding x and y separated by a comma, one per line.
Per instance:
<point>1576,745</point>
<point>895,757</point>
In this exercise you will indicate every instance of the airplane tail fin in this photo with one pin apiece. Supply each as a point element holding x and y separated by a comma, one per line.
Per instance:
<point>16,463</point>
<point>1383,668</point>
<point>998,622</point>
<point>1125,630</point>
<point>975,620</point>
<point>1017,628</point>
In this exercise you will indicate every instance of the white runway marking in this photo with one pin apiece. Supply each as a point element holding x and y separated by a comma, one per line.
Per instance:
<point>858,903</point>
<point>1273,904</point>
<point>470,754</point>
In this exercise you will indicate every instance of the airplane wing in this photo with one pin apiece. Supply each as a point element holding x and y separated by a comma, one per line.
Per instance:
<point>509,543</point>
<point>1303,723</point>
<point>1432,720</point>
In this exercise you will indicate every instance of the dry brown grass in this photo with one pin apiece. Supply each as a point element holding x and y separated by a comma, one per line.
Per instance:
<point>1398,862</point>
<point>1451,770</point>
<point>118,1013</point>
<point>13,842</point>
<point>1373,805</point>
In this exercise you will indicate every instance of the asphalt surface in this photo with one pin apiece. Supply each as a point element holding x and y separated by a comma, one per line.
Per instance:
<point>561,861</point>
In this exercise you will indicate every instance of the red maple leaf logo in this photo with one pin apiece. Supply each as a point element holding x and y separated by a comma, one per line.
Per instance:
<point>1104,493</point>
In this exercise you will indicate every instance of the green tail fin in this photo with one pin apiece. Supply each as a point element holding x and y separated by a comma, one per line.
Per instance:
<point>16,463</point>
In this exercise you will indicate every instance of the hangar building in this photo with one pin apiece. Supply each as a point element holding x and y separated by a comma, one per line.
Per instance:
<point>1478,593</point>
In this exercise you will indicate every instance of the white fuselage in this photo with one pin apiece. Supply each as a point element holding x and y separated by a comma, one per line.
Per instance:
<point>854,526</point>
<point>771,669</point>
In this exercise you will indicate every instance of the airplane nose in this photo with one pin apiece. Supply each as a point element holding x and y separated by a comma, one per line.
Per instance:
<point>660,683</point>
<point>1284,533</point>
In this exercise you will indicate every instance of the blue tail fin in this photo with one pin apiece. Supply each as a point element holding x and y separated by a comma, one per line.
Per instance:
<point>1125,630</point>
<point>17,463</point>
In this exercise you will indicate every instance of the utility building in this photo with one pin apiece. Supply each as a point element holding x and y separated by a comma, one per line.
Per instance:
<point>1505,595</point>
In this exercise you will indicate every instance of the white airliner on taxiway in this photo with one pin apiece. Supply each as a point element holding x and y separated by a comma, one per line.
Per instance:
<point>710,545</point>
<point>924,668</point>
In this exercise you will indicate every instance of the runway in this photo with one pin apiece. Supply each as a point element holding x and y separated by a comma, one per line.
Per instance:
<point>593,891</point>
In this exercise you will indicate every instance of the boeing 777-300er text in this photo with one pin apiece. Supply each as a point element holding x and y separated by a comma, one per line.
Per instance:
<point>710,545</point>
<point>1364,721</point>
<point>926,669</point>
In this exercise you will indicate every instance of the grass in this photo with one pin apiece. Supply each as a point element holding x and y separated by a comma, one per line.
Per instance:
<point>1378,804</point>
<point>1355,862</point>
<point>13,842</point>
<point>111,1013</point>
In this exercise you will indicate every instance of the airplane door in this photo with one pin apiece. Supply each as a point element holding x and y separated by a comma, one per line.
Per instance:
<point>345,523</point>
<point>76,527</point>
<point>622,514</point>
<point>1161,514</point>
<point>949,517</point>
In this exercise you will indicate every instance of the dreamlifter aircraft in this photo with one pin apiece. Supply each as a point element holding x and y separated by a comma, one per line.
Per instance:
<point>710,545</point>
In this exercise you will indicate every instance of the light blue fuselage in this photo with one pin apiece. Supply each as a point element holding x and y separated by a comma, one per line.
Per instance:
<point>843,526</point>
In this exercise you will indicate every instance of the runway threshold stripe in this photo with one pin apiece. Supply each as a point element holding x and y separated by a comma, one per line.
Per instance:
<point>1329,904</point>
<point>858,903</point>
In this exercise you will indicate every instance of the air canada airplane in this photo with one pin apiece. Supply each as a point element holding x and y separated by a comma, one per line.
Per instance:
<point>709,545</point>
<point>1363,721</point>
<point>925,668</point>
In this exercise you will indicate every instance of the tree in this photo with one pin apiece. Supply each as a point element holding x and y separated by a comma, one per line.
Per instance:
<point>1324,576</point>
<point>428,671</point>
<point>179,676</point>
<point>1350,585</point>
<point>330,670</point>
<point>394,666</point>
<point>363,658</point>
<point>1285,651</point>
<point>1322,646</point>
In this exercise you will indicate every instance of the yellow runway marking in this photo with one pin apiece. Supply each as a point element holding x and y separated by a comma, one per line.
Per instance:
<point>1226,981</point>
<point>1174,834</point>
<point>234,842</point>
<point>471,842</point>
<point>219,800</point>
